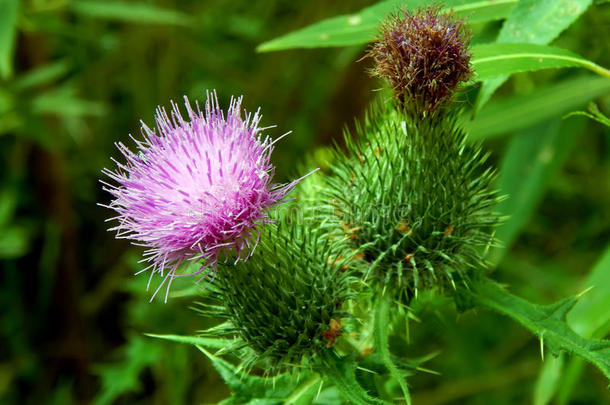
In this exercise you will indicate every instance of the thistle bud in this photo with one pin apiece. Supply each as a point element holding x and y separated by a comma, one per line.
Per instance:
<point>423,55</point>
<point>285,303</point>
<point>416,199</point>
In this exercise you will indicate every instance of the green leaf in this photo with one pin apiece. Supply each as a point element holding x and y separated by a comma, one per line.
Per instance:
<point>520,112</point>
<point>123,377</point>
<point>8,205</point>
<point>342,373</point>
<point>40,76</point>
<point>482,10</point>
<point>14,242</point>
<point>530,162</point>
<point>211,343</point>
<point>593,113</point>
<point>570,376</point>
<point>589,317</point>
<point>547,380</point>
<point>9,12</point>
<point>536,22</point>
<point>361,27</point>
<point>65,103</point>
<point>9,118</point>
<point>381,324</point>
<point>547,322</point>
<point>498,59</point>
<point>247,389</point>
<point>130,12</point>
<point>305,392</point>
<point>343,30</point>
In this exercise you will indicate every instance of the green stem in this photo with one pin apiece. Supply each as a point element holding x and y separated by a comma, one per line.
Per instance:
<point>381,324</point>
<point>342,373</point>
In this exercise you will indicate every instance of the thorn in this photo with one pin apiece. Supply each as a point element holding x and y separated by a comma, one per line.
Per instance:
<point>427,370</point>
<point>586,290</point>
<point>320,387</point>
<point>366,370</point>
<point>542,346</point>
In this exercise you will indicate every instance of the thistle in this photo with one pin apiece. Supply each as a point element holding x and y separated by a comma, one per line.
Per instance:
<point>416,199</point>
<point>286,303</point>
<point>411,193</point>
<point>196,188</point>
<point>424,57</point>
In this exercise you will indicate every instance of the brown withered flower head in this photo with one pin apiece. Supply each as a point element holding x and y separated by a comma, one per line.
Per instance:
<point>424,56</point>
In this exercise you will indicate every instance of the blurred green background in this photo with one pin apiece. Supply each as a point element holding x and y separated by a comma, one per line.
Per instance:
<point>79,77</point>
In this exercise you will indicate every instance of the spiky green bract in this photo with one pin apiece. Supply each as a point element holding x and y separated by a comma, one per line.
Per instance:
<point>415,198</point>
<point>285,303</point>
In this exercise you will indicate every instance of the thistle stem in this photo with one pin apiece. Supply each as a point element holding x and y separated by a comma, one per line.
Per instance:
<point>381,324</point>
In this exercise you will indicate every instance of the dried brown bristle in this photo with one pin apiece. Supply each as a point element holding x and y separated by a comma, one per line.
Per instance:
<point>423,55</point>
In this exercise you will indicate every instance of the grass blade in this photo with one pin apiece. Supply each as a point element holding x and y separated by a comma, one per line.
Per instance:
<point>130,12</point>
<point>9,12</point>
<point>523,111</point>
<point>492,60</point>
<point>536,22</point>
<point>531,160</point>
<point>361,27</point>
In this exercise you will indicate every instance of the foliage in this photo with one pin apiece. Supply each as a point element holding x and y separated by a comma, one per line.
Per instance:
<point>361,27</point>
<point>75,77</point>
<point>537,23</point>
<point>593,113</point>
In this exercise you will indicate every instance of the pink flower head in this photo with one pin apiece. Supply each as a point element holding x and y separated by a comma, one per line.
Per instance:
<point>196,188</point>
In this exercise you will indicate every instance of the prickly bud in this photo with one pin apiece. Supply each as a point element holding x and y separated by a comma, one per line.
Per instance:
<point>416,199</point>
<point>285,302</point>
<point>424,56</point>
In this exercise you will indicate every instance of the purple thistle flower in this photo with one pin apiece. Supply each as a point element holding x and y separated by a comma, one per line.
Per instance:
<point>197,189</point>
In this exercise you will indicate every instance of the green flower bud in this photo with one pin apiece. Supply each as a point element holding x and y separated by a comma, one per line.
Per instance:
<point>416,199</point>
<point>285,302</point>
